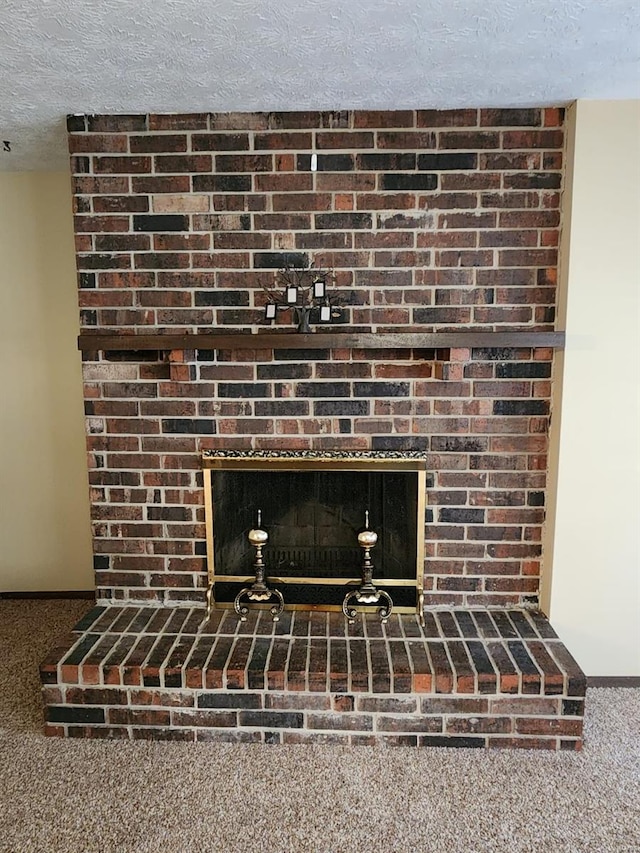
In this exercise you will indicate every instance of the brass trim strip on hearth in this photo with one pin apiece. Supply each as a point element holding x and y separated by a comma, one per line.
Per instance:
<point>320,581</point>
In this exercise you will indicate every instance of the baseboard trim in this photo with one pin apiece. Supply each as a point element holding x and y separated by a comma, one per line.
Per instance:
<point>89,594</point>
<point>613,681</point>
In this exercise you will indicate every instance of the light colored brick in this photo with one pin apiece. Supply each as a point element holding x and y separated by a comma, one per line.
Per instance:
<point>185,203</point>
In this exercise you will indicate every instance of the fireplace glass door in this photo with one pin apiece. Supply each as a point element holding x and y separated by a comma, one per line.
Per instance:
<point>312,507</point>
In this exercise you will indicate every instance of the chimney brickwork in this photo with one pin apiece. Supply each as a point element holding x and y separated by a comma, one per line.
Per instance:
<point>431,221</point>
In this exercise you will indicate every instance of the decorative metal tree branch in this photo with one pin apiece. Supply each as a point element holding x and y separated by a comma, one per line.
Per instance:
<point>303,290</point>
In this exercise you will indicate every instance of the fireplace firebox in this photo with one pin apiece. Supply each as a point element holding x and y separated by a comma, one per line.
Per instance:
<point>314,507</point>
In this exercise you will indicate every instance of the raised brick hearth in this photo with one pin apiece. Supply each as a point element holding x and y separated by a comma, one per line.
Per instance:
<point>433,222</point>
<point>469,678</point>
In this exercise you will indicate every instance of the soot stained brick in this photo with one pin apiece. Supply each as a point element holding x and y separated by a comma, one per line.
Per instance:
<point>409,181</point>
<point>222,297</point>
<point>229,700</point>
<point>533,181</point>
<point>445,162</point>
<point>510,118</point>
<point>535,499</point>
<point>342,407</point>
<point>456,444</point>
<point>76,124</point>
<point>243,389</point>
<point>572,707</point>
<point>116,123</point>
<point>462,516</point>
<point>301,354</point>
<point>520,407</point>
<point>460,742</point>
<point>75,715</point>
<point>87,280</point>
<point>284,371</point>
<point>326,162</point>
<point>222,183</point>
<point>343,220</point>
<point>166,222</point>
<point>274,719</point>
<point>280,260</point>
<point>188,426</point>
<point>80,165</point>
<point>381,389</point>
<point>523,370</point>
<point>323,389</point>
<point>168,513</point>
<point>400,442</point>
<point>380,162</point>
<point>493,353</point>
<point>282,408</point>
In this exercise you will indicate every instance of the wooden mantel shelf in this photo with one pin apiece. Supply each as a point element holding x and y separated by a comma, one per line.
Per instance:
<point>106,340</point>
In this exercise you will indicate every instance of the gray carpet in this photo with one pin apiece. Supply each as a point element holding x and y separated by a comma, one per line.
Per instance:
<point>121,797</point>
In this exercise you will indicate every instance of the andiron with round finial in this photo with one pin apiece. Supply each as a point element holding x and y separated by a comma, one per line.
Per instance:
<point>367,592</point>
<point>259,591</point>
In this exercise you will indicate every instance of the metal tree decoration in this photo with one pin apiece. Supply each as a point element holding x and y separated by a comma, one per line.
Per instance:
<point>303,290</point>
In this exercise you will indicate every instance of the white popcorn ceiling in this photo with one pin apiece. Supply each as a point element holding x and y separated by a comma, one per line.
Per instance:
<point>138,56</point>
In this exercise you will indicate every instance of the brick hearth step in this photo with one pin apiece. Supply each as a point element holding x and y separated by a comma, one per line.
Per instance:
<point>470,678</point>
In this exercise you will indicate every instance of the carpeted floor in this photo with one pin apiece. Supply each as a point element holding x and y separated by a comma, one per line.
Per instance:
<point>121,797</point>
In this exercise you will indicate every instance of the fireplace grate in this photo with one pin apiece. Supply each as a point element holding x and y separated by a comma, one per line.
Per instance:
<point>312,562</point>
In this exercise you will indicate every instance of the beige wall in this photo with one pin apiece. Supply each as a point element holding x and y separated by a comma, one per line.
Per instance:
<point>593,594</point>
<point>44,515</point>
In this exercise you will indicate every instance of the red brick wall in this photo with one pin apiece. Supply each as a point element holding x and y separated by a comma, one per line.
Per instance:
<point>431,221</point>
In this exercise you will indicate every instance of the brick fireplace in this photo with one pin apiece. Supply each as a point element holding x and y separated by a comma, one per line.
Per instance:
<point>442,231</point>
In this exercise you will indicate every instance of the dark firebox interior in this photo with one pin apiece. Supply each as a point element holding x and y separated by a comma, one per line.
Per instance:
<point>313,519</point>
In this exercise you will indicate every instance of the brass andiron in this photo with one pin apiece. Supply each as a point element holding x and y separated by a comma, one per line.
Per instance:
<point>367,593</point>
<point>258,591</point>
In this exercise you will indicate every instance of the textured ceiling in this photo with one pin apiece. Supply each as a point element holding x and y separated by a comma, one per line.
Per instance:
<point>123,56</point>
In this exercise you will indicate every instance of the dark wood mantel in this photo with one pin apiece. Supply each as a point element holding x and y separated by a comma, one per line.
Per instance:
<point>107,340</point>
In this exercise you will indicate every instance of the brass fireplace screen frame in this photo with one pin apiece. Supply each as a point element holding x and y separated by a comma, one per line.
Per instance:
<point>310,461</point>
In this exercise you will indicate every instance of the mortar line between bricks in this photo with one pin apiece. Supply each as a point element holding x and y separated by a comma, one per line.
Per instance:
<point>389,663</point>
<point>285,667</point>
<point>454,671</point>
<point>405,643</point>
<point>267,668</point>
<point>254,639</point>
<point>205,665</point>
<point>503,642</point>
<point>167,657</point>
<point>307,662</point>
<point>224,673</point>
<point>367,650</point>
